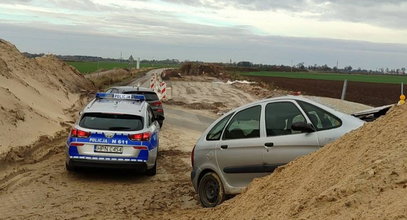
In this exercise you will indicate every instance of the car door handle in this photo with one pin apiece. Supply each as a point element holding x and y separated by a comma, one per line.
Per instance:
<point>224,146</point>
<point>269,144</point>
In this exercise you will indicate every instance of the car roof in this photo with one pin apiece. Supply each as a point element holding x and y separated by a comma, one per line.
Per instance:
<point>286,98</point>
<point>128,107</point>
<point>132,88</point>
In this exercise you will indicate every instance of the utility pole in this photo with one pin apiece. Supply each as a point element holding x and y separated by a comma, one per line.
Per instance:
<point>291,65</point>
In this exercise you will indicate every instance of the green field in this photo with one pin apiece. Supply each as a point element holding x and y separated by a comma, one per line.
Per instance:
<point>89,67</point>
<point>333,76</point>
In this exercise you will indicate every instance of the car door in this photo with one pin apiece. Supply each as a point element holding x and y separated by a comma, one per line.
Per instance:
<point>239,152</point>
<point>282,144</point>
<point>154,128</point>
<point>328,126</point>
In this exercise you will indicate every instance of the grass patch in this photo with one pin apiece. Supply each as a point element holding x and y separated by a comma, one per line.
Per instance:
<point>333,76</point>
<point>89,67</point>
<point>119,77</point>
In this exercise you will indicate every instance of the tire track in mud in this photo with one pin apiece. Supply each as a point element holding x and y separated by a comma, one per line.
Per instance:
<point>45,190</point>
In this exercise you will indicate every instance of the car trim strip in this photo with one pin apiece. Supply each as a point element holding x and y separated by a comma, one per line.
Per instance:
<point>260,168</point>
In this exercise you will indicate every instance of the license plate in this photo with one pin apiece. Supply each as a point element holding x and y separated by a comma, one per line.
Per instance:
<point>109,149</point>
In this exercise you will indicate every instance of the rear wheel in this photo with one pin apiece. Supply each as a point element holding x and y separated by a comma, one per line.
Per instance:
<point>160,122</point>
<point>153,170</point>
<point>210,190</point>
<point>69,167</point>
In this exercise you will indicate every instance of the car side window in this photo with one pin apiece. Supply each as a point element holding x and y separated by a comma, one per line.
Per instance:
<point>215,133</point>
<point>321,119</point>
<point>245,124</point>
<point>280,116</point>
<point>150,116</point>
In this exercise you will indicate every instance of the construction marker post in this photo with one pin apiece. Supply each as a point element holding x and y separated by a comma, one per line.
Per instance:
<point>345,86</point>
<point>402,100</point>
<point>402,88</point>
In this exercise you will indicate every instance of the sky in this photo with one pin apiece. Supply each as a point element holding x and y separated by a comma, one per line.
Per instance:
<point>369,34</point>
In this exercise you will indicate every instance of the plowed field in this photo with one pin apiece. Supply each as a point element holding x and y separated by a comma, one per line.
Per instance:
<point>374,94</point>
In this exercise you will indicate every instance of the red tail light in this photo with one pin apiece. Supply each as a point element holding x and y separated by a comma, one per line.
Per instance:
<point>158,103</point>
<point>140,147</point>
<point>192,156</point>
<point>76,144</point>
<point>140,137</point>
<point>79,133</point>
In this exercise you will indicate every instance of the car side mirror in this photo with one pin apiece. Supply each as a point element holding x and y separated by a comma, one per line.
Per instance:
<point>303,127</point>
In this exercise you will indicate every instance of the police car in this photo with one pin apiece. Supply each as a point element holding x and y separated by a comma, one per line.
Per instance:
<point>114,130</point>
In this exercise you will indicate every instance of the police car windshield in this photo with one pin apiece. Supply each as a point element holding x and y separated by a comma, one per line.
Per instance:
<point>150,96</point>
<point>112,122</point>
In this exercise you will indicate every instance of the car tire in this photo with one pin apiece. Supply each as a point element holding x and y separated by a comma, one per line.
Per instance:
<point>152,171</point>
<point>210,190</point>
<point>70,167</point>
<point>161,122</point>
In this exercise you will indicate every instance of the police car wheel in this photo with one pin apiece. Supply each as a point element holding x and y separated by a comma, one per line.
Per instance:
<point>160,122</point>
<point>152,171</point>
<point>70,167</point>
<point>210,190</point>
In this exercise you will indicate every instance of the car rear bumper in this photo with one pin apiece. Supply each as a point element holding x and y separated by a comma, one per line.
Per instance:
<point>107,164</point>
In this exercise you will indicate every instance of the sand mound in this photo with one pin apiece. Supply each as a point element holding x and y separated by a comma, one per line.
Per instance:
<point>36,95</point>
<point>363,175</point>
<point>195,69</point>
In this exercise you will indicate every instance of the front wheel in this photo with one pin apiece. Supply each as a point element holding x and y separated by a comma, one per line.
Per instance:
<point>210,190</point>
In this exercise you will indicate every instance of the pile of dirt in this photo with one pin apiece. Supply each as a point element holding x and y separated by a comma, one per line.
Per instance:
<point>362,175</point>
<point>37,95</point>
<point>195,69</point>
<point>215,107</point>
<point>262,90</point>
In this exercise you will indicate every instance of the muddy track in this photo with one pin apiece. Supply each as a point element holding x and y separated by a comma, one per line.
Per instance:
<point>44,189</point>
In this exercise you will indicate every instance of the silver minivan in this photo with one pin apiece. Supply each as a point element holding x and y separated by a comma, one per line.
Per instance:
<point>253,140</point>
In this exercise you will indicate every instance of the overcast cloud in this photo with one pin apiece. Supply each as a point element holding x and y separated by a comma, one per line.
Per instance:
<point>367,34</point>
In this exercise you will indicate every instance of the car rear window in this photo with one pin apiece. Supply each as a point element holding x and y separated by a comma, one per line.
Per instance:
<point>112,122</point>
<point>150,96</point>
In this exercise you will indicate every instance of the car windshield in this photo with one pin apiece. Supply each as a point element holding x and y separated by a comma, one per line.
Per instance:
<point>112,122</point>
<point>150,96</point>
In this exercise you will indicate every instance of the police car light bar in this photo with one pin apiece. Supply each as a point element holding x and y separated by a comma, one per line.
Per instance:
<point>102,95</point>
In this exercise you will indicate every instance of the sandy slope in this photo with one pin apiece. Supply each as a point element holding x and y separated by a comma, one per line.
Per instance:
<point>36,95</point>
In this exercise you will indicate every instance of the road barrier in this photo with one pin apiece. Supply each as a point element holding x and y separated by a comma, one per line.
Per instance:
<point>159,86</point>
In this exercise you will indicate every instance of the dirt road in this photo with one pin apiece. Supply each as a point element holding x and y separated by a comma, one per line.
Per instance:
<point>44,189</point>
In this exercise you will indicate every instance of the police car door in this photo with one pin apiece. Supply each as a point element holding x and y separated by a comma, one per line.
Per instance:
<point>239,153</point>
<point>154,128</point>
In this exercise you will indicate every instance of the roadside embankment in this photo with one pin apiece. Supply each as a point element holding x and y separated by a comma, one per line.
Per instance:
<point>38,97</point>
